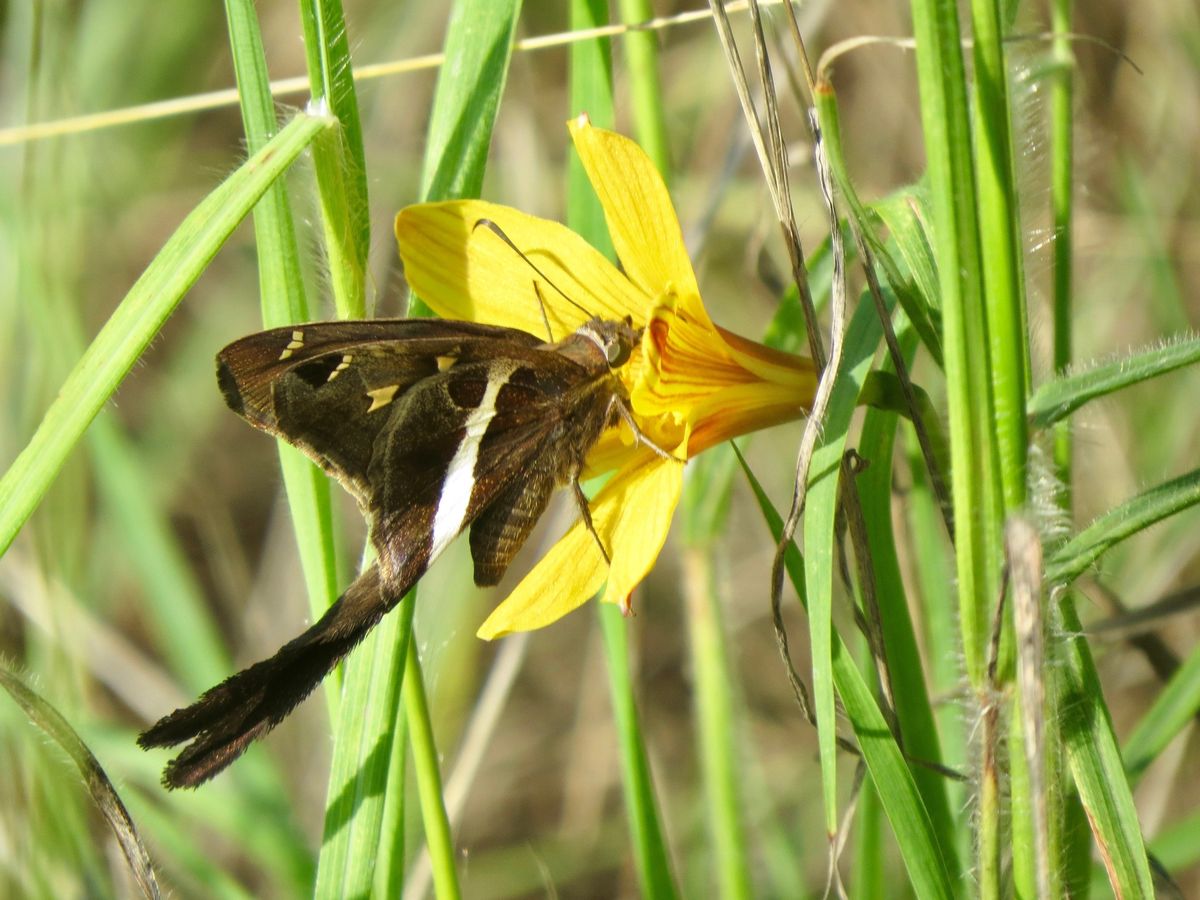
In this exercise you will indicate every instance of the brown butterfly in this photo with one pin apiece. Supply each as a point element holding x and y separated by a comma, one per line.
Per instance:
<point>435,426</point>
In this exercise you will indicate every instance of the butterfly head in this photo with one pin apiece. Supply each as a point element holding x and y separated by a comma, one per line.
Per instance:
<point>616,339</point>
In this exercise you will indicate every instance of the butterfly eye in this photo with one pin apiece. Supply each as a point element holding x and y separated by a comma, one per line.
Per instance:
<point>617,351</point>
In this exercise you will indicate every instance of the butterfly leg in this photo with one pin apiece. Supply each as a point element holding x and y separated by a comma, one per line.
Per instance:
<point>639,435</point>
<point>585,511</point>
<point>542,306</point>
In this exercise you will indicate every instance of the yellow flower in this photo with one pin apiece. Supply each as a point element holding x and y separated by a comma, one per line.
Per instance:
<point>691,384</point>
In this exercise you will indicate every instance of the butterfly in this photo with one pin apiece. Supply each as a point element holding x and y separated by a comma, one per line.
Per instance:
<point>435,427</point>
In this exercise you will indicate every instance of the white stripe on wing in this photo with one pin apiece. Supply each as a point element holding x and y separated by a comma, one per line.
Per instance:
<point>460,474</point>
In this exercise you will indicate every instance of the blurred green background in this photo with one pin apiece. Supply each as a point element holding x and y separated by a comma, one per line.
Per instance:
<point>172,493</point>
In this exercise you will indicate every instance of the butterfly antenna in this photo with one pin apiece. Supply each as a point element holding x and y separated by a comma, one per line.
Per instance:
<point>499,232</point>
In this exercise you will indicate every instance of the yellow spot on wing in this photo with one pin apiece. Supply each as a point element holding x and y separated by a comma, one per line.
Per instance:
<point>445,362</point>
<point>341,367</point>
<point>294,344</point>
<point>381,397</point>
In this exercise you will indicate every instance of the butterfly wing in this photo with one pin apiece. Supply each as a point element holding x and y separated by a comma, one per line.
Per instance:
<point>433,425</point>
<point>322,386</point>
<point>484,443</point>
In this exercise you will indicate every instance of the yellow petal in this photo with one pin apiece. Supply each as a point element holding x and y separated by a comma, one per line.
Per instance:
<point>740,409</point>
<point>641,220</point>
<point>614,450</point>
<point>565,578</point>
<point>632,514</point>
<point>685,360</point>
<point>768,363</point>
<point>715,383</point>
<point>619,447</point>
<point>466,271</point>
<point>643,505</point>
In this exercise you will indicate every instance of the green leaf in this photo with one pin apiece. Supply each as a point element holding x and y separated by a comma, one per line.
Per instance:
<point>1059,397</point>
<point>338,157</point>
<point>893,781</point>
<point>136,321</point>
<point>104,795</point>
<point>1130,518</point>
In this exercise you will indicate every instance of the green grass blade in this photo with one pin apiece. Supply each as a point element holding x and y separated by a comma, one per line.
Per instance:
<point>338,157</point>
<point>869,878</point>
<point>645,83</point>
<point>591,92</point>
<point>1062,167</point>
<point>911,694</point>
<point>1000,242</point>
<point>137,320</point>
<point>428,780</point>
<point>1171,712</point>
<point>1056,399</point>
<point>862,338</point>
<point>906,229</point>
<point>645,829</point>
<point>978,484</point>
<point>932,568</point>
<point>1095,762</point>
<point>1131,517</point>
<point>883,391</point>
<point>104,795</point>
<point>362,757</point>
<point>389,863</point>
<point>281,293</point>
<point>905,213</point>
<point>716,723</point>
<point>953,205</point>
<point>893,780</point>
<point>478,48</point>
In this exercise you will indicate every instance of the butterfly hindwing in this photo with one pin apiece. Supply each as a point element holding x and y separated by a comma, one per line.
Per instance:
<point>532,455</point>
<point>501,529</point>
<point>484,441</point>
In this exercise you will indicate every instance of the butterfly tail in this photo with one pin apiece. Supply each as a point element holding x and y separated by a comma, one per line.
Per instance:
<point>244,707</point>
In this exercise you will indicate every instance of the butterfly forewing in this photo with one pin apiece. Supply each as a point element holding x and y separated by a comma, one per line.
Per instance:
<point>326,387</point>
